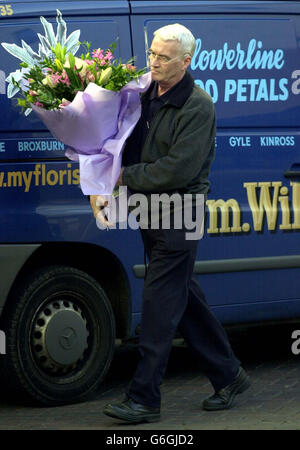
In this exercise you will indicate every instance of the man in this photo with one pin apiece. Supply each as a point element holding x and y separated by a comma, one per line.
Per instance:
<point>171,150</point>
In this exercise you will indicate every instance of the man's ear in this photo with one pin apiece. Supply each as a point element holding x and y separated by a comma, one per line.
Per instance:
<point>187,61</point>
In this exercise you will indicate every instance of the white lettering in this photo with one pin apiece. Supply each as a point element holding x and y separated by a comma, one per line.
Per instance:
<point>254,57</point>
<point>277,141</point>
<point>255,90</point>
<point>2,343</point>
<point>37,146</point>
<point>296,84</point>
<point>296,345</point>
<point>2,82</point>
<point>123,440</point>
<point>240,141</point>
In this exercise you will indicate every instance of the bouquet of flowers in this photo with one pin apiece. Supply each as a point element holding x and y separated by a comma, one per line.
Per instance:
<point>90,103</point>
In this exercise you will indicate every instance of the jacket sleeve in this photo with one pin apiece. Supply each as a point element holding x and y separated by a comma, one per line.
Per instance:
<point>191,143</point>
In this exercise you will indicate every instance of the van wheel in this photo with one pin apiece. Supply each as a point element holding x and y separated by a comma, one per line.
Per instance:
<point>60,336</point>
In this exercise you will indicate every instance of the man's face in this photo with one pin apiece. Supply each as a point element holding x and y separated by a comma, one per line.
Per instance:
<point>168,72</point>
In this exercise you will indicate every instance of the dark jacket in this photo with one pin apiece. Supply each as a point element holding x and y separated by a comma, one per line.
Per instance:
<point>180,146</point>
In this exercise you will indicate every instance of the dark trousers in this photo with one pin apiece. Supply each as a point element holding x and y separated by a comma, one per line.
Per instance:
<point>172,298</point>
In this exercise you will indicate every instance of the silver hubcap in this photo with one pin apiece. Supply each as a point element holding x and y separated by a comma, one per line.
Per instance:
<point>59,337</point>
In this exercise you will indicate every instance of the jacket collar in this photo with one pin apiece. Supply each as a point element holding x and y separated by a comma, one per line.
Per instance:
<point>180,92</point>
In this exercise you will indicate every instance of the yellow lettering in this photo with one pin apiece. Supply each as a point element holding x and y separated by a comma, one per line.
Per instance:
<point>9,10</point>
<point>285,209</point>
<point>76,176</point>
<point>14,179</point>
<point>6,10</point>
<point>265,204</point>
<point>27,176</point>
<point>62,173</point>
<point>43,175</point>
<point>220,205</point>
<point>296,204</point>
<point>69,166</point>
<point>52,177</point>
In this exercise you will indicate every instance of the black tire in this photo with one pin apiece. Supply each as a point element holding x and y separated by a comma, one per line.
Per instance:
<point>60,336</point>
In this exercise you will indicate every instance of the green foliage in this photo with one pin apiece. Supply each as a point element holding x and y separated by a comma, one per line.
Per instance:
<point>59,52</point>
<point>52,46</point>
<point>58,77</point>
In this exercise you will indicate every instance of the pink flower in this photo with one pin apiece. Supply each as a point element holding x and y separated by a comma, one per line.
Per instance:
<point>109,56</point>
<point>52,80</point>
<point>64,78</point>
<point>38,103</point>
<point>90,77</point>
<point>55,79</point>
<point>64,103</point>
<point>32,93</point>
<point>98,53</point>
<point>131,68</point>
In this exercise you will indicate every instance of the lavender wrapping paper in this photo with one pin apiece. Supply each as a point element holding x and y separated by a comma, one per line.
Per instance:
<point>95,125</point>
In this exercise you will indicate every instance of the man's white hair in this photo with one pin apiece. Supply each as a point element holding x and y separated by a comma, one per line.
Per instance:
<point>178,32</point>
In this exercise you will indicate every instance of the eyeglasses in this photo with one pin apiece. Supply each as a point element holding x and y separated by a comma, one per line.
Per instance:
<point>161,58</point>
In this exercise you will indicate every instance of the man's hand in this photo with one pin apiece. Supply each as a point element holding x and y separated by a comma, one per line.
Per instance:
<point>98,203</point>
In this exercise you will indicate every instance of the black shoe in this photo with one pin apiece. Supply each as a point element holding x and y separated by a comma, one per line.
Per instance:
<point>132,412</point>
<point>223,399</point>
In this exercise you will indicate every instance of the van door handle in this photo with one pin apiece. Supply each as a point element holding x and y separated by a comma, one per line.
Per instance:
<point>292,174</point>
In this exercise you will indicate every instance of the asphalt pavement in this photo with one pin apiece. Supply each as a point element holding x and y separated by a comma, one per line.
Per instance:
<point>269,355</point>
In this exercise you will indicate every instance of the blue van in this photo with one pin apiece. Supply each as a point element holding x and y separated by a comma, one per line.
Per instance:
<point>68,289</point>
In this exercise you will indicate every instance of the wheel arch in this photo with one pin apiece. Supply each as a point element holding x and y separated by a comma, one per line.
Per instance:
<point>89,258</point>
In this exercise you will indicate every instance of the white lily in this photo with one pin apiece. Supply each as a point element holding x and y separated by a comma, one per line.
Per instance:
<point>105,75</point>
<point>79,63</point>
<point>27,55</point>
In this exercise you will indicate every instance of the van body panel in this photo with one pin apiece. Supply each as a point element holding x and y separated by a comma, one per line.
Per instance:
<point>247,58</point>
<point>258,141</point>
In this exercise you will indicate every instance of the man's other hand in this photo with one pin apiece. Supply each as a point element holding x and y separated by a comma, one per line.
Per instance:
<point>98,204</point>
